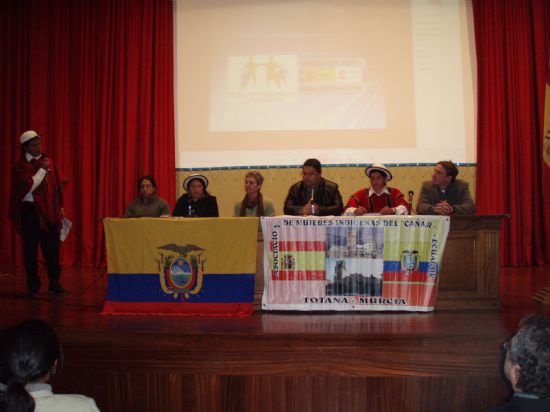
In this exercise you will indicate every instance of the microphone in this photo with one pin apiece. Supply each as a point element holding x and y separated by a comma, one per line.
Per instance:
<point>411,194</point>
<point>43,161</point>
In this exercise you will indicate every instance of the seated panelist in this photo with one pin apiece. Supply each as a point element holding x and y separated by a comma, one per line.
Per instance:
<point>147,204</point>
<point>445,194</point>
<point>378,198</point>
<point>196,202</point>
<point>314,195</point>
<point>254,202</point>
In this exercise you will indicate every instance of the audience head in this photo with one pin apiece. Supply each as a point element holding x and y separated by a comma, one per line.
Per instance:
<point>444,173</point>
<point>253,183</point>
<point>311,172</point>
<point>527,364</point>
<point>196,185</point>
<point>378,175</point>
<point>30,352</point>
<point>147,186</point>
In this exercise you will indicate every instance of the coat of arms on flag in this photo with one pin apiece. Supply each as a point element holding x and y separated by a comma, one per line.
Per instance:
<point>181,269</point>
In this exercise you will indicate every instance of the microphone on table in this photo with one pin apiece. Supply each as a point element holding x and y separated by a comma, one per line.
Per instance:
<point>411,194</point>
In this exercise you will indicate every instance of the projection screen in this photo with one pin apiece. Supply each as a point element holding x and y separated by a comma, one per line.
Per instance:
<point>271,83</point>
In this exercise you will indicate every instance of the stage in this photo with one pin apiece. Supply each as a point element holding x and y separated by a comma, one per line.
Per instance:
<point>278,361</point>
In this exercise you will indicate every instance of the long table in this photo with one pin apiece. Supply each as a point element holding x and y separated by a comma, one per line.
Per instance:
<point>468,276</point>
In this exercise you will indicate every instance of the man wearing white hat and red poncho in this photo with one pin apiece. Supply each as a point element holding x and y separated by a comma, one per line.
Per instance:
<point>35,209</point>
<point>379,198</point>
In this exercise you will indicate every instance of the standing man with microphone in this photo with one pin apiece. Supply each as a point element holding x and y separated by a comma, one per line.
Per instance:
<point>36,210</point>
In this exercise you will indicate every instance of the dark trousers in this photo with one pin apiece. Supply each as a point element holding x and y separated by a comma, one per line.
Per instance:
<point>49,243</point>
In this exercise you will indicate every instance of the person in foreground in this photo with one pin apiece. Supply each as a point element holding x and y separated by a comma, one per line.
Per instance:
<point>31,354</point>
<point>445,194</point>
<point>379,198</point>
<point>197,202</point>
<point>314,195</point>
<point>254,202</point>
<point>147,204</point>
<point>527,367</point>
<point>36,210</point>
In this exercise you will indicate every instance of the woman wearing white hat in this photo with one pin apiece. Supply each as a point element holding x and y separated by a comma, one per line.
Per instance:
<point>197,202</point>
<point>379,198</point>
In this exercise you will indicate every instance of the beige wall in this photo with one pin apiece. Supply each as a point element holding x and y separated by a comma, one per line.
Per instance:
<point>227,185</point>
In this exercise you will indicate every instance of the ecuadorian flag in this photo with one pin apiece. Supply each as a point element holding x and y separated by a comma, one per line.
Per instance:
<point>173,266</point>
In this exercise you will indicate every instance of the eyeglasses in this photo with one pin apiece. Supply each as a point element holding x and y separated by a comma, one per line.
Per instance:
<point>146,186</point>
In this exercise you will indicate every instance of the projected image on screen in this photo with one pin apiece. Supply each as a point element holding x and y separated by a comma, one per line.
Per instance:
<point>275,82</point>
<point>336,91</point>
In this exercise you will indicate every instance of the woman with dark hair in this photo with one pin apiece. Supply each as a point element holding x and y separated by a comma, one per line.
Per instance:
<point>254,202</point>
<point>30,355</point>
<point>197,202</point>
<point>147,204</point>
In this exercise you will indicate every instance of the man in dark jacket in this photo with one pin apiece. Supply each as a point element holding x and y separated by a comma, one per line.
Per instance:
<point>445,194</point>
<point>314,195</point>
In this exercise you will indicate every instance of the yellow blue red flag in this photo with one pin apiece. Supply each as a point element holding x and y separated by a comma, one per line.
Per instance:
<point>174,266</point>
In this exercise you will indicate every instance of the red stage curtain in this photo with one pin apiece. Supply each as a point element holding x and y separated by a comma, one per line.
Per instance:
<point>95,78</point>
<point>512,42</point>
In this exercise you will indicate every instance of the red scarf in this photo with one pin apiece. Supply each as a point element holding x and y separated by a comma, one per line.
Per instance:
<point>47,196</point>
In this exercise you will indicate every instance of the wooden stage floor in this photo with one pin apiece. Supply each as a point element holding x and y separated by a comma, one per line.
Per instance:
<point>278,361</point>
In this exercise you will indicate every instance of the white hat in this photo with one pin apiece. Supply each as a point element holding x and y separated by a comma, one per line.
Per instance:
<point>379,167</point>
<point>28,136</point>
<point>193,177</point>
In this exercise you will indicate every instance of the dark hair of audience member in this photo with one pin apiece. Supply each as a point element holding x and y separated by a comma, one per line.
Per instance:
<point>28,353</point>
<point>530,349</point>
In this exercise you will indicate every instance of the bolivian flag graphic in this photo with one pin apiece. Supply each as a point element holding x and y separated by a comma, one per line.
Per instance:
<point>174,266</point>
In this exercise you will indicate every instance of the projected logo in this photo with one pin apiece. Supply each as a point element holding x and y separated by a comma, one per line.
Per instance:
<point>252,78</point>
<point>327,74</point>
<point>181,270</point>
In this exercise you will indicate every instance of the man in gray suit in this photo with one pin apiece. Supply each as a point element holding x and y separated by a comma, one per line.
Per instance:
<point>445,194</point>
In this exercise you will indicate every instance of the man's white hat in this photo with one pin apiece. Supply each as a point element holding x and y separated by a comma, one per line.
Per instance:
<point>380,168</point>
<point>28,136</point>
<point>193,177</point>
